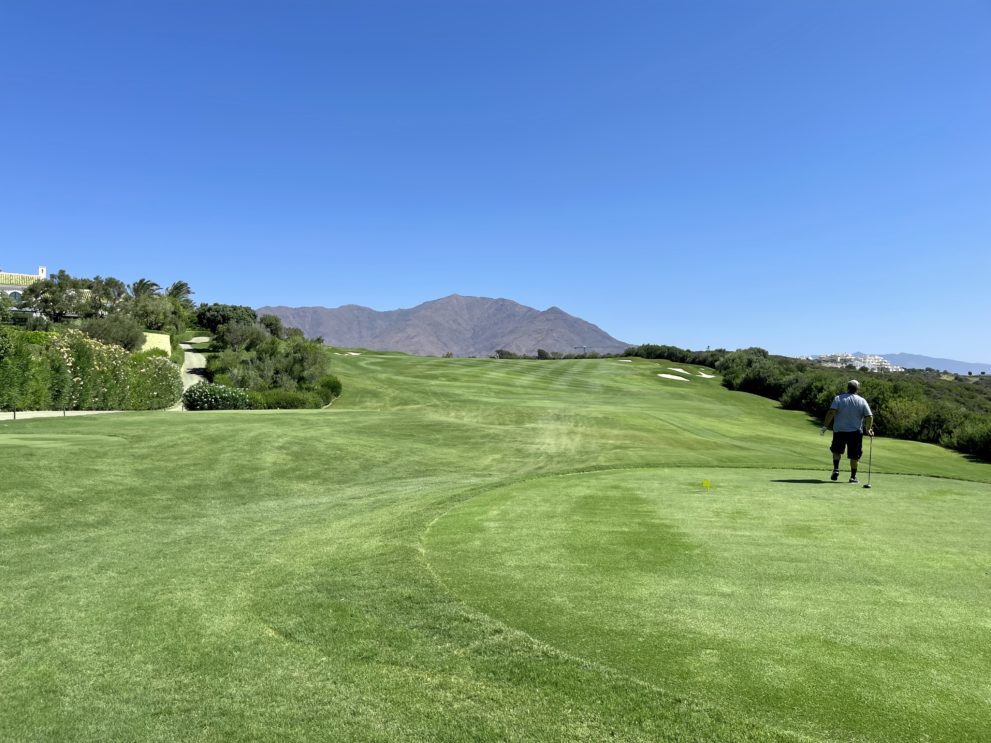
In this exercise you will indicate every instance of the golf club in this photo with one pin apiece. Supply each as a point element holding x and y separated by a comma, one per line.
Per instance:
<point>870,457</point>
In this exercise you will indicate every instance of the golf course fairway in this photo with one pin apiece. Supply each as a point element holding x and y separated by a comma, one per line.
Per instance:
<point>488,550</point>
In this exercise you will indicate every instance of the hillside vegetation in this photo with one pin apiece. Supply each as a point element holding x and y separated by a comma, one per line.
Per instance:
<point>918,405</point>
<point>488,550</point>
<point>84,327</point>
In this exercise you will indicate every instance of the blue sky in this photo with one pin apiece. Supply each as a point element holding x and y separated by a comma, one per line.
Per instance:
<point>803,176</point>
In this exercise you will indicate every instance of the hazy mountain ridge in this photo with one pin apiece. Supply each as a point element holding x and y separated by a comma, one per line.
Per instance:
<point>463,326</point>
<point>915,361</point>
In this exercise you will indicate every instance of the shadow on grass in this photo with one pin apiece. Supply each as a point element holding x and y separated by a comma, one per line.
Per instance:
<point>804,482</point>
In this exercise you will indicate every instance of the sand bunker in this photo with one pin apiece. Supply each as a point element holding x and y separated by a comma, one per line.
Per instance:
<point>700,374</point>
<point>673,376</point>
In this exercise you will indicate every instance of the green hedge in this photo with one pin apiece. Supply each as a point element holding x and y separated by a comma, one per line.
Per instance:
<point>66,370</point>
<point>155,383</point>
<point>285,399</point>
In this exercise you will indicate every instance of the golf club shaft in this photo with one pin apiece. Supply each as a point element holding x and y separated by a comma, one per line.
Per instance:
<point>870,460</point>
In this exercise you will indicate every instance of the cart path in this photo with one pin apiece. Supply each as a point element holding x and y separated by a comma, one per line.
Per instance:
<point>193,365</point>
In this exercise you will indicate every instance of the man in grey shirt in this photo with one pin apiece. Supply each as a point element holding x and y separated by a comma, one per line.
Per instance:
<point>850,415</point>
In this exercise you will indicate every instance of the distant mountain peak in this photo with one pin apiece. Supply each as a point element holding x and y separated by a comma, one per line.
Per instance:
<point>456,324</point>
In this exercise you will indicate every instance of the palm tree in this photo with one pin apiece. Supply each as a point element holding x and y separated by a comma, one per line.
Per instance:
<point>179,291</point>
<point>144,288</point>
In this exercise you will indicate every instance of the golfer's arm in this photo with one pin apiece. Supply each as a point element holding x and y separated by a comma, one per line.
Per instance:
<point>869,423</point>
<point>830,414</point>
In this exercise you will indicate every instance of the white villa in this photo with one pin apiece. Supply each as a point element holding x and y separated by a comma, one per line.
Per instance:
<point>872,362</point>
<point>14,284</point>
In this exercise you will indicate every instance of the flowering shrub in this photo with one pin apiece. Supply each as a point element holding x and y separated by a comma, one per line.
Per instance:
<point>155,383</point>
<point>67,370</point>
<point>208,396</point>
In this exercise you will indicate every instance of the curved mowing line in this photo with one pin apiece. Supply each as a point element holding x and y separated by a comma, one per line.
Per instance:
<point>604,668</point>
<point>581,660</point>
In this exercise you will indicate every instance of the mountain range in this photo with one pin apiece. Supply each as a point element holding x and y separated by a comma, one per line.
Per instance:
<point>462,326</point>
<point>914,361</point>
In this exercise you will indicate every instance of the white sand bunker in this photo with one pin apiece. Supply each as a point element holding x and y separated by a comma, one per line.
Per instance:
<point>673,376</point>
<point>680,371</point>
<point>707,376</point>
<point>626,361</point>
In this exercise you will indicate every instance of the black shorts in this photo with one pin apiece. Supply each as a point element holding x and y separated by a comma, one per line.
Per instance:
<point>851,441</point>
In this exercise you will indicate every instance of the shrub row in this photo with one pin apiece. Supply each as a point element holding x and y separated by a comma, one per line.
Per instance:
<point>216,396</point>
<point>209,396</point>
<point>66,370</point>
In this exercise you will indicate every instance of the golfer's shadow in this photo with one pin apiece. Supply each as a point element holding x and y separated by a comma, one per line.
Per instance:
<point>804,482</point>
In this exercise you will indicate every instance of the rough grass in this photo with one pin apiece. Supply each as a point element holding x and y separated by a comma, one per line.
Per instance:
<point>274,575</point>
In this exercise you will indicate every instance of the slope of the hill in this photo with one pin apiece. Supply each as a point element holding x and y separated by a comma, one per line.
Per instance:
<point>462,326</point>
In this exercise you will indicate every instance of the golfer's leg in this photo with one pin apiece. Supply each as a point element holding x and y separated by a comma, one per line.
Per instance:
<point>855,452</point>
<point>836,447</point>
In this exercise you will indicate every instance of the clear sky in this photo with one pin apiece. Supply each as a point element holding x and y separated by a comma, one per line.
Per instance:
<point>806,176</point>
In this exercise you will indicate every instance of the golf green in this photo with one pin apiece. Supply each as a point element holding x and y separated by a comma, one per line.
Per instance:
<point>818,606</point>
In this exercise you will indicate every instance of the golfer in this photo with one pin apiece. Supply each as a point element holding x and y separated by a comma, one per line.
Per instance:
<point>851,416</point>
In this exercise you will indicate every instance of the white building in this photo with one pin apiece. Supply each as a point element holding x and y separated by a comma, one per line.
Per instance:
<point>872,362</point>
<point>14,284</point>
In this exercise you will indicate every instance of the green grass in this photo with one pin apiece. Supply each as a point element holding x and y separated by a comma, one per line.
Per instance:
<point>464,550</point>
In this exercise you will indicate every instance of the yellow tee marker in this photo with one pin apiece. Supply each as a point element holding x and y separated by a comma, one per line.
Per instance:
<point>706,484</point>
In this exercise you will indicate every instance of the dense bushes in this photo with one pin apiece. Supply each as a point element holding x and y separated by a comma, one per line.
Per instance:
<point>208,396</point>
<point>66,370</point>
<point>155,382</point>
<point>285,399</point>
<point>119,330</point>
<point>212,316</point>
<point>328,388</point>
<point>974,437</point>
<point>279,372</point>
